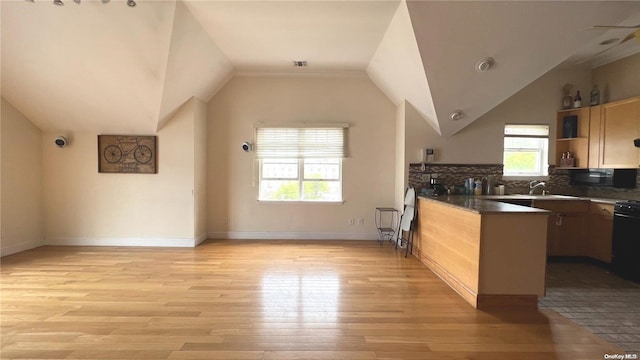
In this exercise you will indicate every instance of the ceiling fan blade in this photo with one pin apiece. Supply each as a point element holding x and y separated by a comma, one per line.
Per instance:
<point>633,35</point>
<point>600,27</point>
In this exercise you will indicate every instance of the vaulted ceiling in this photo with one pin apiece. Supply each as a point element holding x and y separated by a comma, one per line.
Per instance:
<point>112,68</point>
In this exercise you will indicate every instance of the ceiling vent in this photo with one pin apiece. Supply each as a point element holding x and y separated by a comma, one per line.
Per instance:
<point>300,63</point>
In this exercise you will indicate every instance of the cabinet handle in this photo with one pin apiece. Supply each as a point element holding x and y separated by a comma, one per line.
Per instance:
<point>559,219</point>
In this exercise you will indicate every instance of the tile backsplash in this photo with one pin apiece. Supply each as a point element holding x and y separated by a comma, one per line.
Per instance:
<point>558,182</point>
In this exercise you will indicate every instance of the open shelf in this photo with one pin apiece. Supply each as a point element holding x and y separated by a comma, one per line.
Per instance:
<point>578,146</point>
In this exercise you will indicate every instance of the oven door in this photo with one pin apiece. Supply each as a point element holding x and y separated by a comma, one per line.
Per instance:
<point>626,246</point>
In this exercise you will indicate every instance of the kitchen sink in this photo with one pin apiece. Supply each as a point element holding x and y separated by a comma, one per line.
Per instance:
<point>539,196</point>
<point>523,202</point>
<point>527,200</point>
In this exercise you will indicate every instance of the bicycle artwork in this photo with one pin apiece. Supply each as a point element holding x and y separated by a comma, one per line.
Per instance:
<point>127,154</point>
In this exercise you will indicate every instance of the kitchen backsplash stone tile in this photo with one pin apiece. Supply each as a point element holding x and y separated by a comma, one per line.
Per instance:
<point>558,182</point>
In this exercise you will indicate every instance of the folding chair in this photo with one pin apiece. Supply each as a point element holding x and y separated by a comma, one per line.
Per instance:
<point>405,228</point>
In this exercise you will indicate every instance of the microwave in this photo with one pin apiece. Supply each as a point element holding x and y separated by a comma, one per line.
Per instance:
<point>617,178</point>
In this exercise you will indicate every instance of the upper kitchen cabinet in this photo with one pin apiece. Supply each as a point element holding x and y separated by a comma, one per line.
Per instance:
<point>594,137</point>
<point>619,126</point>
<point>572,136</point>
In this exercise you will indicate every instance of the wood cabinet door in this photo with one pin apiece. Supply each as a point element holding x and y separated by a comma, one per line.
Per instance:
<point>552,231</point>
<point>620,125</point>
<point>600,230</point>
<point>570,237</point>
<point>595,122</point>
<point>600,235</point>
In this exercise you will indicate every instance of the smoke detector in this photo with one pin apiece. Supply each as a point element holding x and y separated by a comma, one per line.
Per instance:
<point>299,63</point>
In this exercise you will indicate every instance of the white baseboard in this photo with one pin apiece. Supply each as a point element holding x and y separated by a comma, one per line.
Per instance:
<point>148,242</point>
<point>12,249</point>
<point>186,242</point>
<point>270,235</point>
<point>200,238</point>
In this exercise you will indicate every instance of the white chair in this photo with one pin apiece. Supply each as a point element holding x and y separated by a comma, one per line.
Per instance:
<point>405,228</point>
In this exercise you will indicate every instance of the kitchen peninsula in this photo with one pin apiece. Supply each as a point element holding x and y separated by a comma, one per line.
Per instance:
<point>491,253</point>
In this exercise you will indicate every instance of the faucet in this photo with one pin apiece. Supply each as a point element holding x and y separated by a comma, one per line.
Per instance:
<point>534,184</point>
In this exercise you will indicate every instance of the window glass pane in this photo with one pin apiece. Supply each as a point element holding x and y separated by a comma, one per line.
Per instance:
<point>522,143</point>
<point>279,169</point>
<point>526,156</point>
<point>279,180</point>
<point>321,190</point>
<point>327,169</point>
<point>522,162</point>
<point>279,190</point>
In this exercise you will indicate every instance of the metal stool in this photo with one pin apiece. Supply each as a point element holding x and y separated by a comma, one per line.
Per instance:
<point>386,223</point>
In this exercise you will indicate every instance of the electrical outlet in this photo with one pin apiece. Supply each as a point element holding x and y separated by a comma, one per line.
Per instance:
<point>360,221</point>
<point>426,177</point>
<point>351,221</point>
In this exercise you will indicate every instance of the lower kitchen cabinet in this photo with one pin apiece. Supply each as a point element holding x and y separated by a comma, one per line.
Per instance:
<point>566,227</point>
<point>600,231</point>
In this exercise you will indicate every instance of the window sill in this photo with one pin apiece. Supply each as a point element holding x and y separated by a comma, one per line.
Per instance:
<point>297,202</point>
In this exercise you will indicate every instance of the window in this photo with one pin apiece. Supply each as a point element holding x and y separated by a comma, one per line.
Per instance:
<point>300,164</point>
<point>526,150</point>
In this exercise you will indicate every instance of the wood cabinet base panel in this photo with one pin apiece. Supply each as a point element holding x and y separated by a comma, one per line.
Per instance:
<point>520,302</point>
<point>465,292</point>
<point>479,301</point>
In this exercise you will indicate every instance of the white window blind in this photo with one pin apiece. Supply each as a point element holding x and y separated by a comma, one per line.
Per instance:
<point>539,131</point>
<point>300,143</point>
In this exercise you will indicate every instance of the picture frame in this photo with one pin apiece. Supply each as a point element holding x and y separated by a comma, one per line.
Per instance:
<point>128,154</point>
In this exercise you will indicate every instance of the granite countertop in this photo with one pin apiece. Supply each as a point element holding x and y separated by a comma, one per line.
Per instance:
<point>483,205</point>
<point>550,197</point>
<point>490,204</point>
<point>605,201</point>
<point>532,197</point>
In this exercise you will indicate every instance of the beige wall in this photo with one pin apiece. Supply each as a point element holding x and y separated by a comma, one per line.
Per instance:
<point>482,141</point>
<point>22,217</point>
<point>401,170</point>
<point>84,207</point>
<point>200,193</point>
<point>368,172</point>
<point>618,80</point>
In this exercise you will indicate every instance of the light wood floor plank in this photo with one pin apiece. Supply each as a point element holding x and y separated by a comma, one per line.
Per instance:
<point>262,300</point>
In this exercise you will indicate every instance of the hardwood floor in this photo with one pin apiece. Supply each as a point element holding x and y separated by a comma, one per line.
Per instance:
<point>260,300</point>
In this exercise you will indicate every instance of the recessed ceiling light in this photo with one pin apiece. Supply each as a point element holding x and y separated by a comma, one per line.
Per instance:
<point>609,41</point>
<point>456,115</point>
<point>484,64</point>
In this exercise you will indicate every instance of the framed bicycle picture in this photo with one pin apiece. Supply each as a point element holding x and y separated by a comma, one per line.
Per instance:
<point>127,154</point>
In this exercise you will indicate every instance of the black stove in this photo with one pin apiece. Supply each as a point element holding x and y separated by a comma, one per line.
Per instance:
<point>629,207</point>
<point>626,239</point>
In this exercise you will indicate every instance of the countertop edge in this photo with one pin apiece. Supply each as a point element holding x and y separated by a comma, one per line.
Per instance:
<point>484,206</point>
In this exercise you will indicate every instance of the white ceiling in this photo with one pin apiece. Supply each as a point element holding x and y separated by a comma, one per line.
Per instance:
<point>110,68</point>
<point>340,35</point>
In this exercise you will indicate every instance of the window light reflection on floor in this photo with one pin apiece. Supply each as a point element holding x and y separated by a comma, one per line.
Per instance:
<point>311,298</point>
